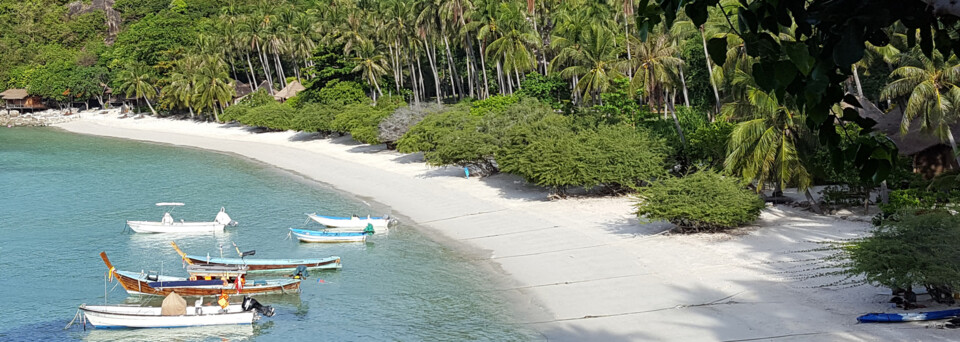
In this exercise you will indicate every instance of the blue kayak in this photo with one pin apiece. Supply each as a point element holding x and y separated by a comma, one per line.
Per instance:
<point>908,316</point>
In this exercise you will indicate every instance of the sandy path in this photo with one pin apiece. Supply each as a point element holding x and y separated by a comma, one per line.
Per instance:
<point>585,269</point>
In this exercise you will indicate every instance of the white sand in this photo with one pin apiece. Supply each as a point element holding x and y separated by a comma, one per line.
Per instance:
<point>584,269</point>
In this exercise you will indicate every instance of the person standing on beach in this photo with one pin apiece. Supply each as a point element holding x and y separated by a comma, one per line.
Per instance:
<point>466,171</point>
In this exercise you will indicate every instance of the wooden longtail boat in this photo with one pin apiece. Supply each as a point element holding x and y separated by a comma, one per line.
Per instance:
<point>262,265</point>
<point>160,285</point>
<point>329,237</point>
<point>351,222</point>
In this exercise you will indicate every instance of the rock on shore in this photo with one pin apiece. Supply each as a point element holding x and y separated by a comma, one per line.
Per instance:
<point>36,119</point>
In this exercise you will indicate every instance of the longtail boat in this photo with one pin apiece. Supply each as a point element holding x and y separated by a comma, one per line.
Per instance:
<point>329,237</point>
<point>351,222</point>
<point>262,265</point>
<point>160,285</point>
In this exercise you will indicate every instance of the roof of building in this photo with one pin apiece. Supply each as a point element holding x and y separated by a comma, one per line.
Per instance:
<point>289,91</point>
<point>14,94</point>
<point>914,141</point>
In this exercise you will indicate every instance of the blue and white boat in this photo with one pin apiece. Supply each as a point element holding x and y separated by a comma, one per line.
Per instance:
<point>254,265</point>
<point>330,237</point>
<point>351,222</point>
<point>908,316</point>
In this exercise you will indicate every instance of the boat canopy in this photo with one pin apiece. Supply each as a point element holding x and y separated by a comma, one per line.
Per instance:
<point>163,204</point>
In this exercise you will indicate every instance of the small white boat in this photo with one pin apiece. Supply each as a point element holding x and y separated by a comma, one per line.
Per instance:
<point>125,316</point>
<point>168,225</point>
<point>329,237</point>
<point>351,222</point>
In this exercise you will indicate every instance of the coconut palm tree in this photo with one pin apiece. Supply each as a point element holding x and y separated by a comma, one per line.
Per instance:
<point>764,148</point>
<point>932,88</point>
<point>595,62</point>
<point>182,84</point>
<point>138,81</point>
<point>654,62</point>
<point>371,65</point>
<point>514,48</point>
<point>214,88</point>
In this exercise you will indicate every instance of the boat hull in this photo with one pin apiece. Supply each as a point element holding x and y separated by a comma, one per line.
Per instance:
<point>347,222</point>
<point>908,316</point>
<point>139,285</point>
<point>265,265</point>
<point>327,237</point>
<point>113,317</point>
<point>176,227</point>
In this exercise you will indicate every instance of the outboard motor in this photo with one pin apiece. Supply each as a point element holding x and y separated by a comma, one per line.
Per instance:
<point>253,304</point>
<point>224,219</point>
<point>300,273</point>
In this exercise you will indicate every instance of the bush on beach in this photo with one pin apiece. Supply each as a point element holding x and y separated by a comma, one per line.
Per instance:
<point>702,201</point>
<point>920,248</point>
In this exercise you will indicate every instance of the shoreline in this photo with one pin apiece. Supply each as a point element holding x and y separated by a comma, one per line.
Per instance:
<point>584,268</point>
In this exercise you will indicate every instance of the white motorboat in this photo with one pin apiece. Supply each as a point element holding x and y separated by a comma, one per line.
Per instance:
<point>125,316</point>
<point>168,225</point>
<point>351,222</point>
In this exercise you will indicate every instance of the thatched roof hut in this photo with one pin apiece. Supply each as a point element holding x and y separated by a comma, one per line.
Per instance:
<point>930,155</point>
<point>19,99</point>
<point>289,91</point>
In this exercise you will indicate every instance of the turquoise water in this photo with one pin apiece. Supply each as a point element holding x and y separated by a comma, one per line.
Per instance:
<point>64,199</point>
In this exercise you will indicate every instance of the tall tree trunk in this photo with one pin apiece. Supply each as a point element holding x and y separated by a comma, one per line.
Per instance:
<point>151,106</point>
<point>393,65</point>
<point>716,93</point>
<point>432,58</point>
<point>252,73</point>
<point>673,112</point>
<point>283,76</point>
<point>856,78</point>
<point>413,81</point>
<point>953,144</point>
<point>502,84</point>
<point>813,202</point>
<point>683,80</point>
<point>518,76</point>
<point>626,34</point>
<point>190,108</point>
<point>471,69</point>
<point>453,83</point>
<point>266,68</point>
<point>423,89</point>
<point>483,63</point>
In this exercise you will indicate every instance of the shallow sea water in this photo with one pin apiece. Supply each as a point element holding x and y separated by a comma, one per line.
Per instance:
<point>64,199</point>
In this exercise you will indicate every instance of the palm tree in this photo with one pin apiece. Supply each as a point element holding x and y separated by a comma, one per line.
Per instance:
<point>372,65</point>
<point>655,63</point>
<point>514,46</point>
<point>138,81</point>
<point>213,86</point>
<point>932,86</point>
<point>764,148</point>
<point>596,62</point>
<point>182,84</point>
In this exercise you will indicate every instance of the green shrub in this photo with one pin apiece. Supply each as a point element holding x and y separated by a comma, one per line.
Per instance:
<point>707,145</point>
<point>915,200</point>
<point>340,93</point>
<point>704,200</point>
<point>493,104</point>
<point>362,121</point>
<point>552,152</point>
<point>316,117</point>
<point>916,250</point>
<point>423,136</point>
<point>274,116</point>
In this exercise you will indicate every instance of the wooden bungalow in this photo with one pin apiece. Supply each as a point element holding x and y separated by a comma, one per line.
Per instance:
<point>18,99</point>
<point>930,156</point>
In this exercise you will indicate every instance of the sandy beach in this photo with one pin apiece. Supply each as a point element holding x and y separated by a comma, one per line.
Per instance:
<point>583,269</point>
